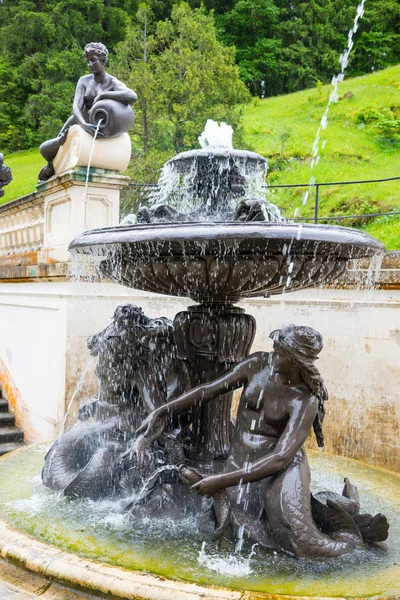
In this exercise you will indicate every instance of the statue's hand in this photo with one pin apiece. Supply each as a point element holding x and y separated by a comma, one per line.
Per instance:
<point>142,451</point>
<point>100,96</point>
<point>87,409</point>
<point>148,424</point>
<point>208,486</point>
<point>139,448</point>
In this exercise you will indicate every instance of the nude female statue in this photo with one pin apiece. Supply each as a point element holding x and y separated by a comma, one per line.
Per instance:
<point>283,398</point>
<point>90,89</point>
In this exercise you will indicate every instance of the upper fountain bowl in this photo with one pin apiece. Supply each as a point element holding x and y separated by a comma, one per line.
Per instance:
<point>209,233</point>
<point>215,183</point>
<point>215,262</point>
<point>210,156</point>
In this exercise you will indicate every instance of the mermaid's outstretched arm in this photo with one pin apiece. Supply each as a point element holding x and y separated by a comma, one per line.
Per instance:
<point>203,393</point>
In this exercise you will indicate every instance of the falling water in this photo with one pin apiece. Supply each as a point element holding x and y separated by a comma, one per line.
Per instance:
<point>84,197</point>
<point>232,175</point>
<point>333,98</point>
<point>150,482</point>
<point>228,565</point>
<point>76,391</point>
<point>216,136</point>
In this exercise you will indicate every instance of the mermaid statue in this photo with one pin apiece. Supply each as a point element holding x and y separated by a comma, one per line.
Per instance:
<point>137,371</point>
<point>265,489</point>
<point>132,441</point>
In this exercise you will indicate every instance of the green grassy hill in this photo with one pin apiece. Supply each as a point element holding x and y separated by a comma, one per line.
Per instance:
<point>363,142</point>
<point>25,166</point>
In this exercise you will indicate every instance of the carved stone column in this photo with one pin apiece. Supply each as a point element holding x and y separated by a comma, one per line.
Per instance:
<point>212,339</point>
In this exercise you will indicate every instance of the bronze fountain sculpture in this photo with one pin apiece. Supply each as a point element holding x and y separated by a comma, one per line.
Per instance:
<point>160,431</point>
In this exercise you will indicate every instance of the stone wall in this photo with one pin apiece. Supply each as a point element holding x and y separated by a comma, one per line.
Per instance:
<point>33,349</point>
<point>360,363</point>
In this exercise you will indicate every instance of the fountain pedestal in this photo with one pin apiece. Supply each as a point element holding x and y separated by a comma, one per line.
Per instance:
<point>211,339</point>
<point>69,209</point>
<point>217,264</point>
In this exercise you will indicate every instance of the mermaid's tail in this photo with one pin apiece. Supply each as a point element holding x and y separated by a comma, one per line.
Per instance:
<point>222,504</point>
<point>81,462</point>
<point>288,511</point>
<point>373,529</point>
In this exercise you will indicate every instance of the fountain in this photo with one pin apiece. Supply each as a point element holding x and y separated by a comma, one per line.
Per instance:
<point>156,455</point>
<point>233,245</point>
<point>156,459</point>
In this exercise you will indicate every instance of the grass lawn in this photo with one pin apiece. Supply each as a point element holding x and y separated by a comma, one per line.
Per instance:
<point>283,129</point>
<point>25,166</point>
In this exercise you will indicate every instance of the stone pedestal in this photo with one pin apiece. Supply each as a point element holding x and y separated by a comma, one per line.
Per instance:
<point>80,149</point>
<point>211,339</point>
<point>71,207</point>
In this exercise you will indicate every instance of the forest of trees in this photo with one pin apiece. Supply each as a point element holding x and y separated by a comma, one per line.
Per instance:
<point>188,61</point>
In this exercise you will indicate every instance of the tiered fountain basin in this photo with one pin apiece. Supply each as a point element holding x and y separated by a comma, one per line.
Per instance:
<point>95,546</point>
<point>215,262</point>
<point>199,243</point>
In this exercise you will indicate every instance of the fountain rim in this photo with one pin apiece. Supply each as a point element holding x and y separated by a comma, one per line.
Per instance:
<point>38,557</point>
<point>201,232</point>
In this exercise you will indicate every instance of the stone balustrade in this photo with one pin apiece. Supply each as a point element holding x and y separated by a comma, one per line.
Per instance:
<point>22,225</point>
<point>35,230</point>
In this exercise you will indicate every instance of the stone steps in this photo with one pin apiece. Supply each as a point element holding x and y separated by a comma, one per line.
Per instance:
<point>3,405</point>
<point>6,419</point>
<point>11,437</point>
<point>11,434</point>
<point>5,448</point>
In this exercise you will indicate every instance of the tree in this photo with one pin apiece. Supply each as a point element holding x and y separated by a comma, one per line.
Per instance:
<point>288,45</point>
<point>196,76</point>
<point>251,26</point>
<point>183,76</point>
<point>378,43</point>
<point>133,65</point>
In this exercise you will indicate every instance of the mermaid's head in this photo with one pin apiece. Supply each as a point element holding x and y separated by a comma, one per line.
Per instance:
<point>302,345</point>
<point>298,341</point>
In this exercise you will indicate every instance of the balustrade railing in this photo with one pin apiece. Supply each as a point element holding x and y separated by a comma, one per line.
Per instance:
<point>22,225</point>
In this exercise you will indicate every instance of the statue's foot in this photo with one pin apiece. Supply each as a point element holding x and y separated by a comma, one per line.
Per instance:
<point>46,172</point>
